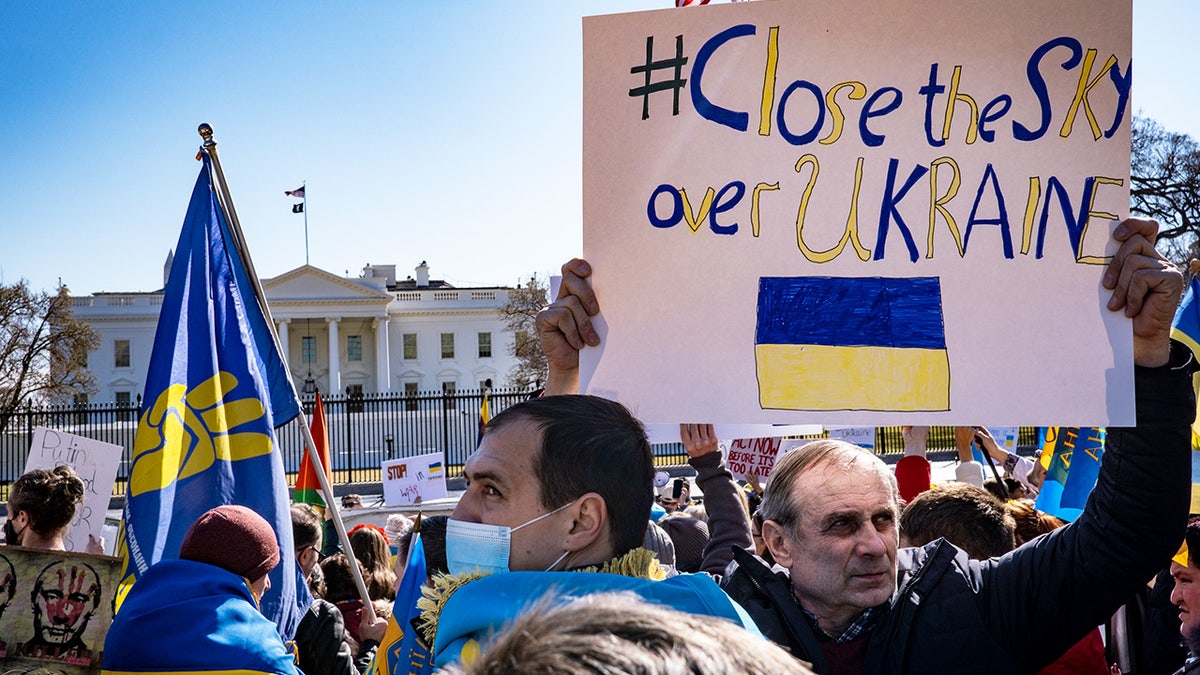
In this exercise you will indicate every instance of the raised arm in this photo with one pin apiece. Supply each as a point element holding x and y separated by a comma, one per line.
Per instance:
<point>728,521</point>
<point>1066,583</point>
<point>565,327</point>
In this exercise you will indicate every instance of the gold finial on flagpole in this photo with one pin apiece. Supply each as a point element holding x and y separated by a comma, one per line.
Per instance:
<point>206,133</point>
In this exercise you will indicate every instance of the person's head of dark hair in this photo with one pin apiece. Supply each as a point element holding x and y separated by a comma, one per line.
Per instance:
<point>964,515</point>
<point>1004,489</point>
<point>433,540</point>
<point>1192,537</point>
<point>1028,522</point>
<point>49,496</point>
<point>591,444</point>
<point>339,579</point>
<point>370,546</point>
<point>306,526</point>
<point>689,536</point>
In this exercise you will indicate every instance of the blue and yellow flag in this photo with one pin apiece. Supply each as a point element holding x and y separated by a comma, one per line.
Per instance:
<point>216,390</point>
<point>846,343</point>
<point>485,416</point>
<point>1186,329</point>
<point>1075,454</point>
<point>402,649</point>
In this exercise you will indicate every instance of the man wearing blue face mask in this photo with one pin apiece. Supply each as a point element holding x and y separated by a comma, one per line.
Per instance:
<point>558,484</point>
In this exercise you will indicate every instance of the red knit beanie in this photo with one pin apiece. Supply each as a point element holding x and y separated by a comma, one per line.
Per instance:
<point>233,538</point>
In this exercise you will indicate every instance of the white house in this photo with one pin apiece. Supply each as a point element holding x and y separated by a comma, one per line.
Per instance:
<point>368,334</point>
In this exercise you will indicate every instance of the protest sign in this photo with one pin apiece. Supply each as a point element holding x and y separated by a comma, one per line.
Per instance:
<point>747,457</point>
<point>1006,437</point>
<point>839,213</point>
<point>55,609</point>
<point>413,480</point>
<point>752,456</point>
<point>863,437</point>
<point>96,463</point>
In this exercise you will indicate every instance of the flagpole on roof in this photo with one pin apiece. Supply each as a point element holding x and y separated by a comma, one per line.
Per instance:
<point>304,203</point>
<point>223,196</point>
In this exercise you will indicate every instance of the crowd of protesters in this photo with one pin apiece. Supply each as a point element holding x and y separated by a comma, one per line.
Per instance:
<point>839,563</point>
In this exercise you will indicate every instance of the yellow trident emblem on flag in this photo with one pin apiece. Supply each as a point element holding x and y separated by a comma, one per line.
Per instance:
<point>184,432</point>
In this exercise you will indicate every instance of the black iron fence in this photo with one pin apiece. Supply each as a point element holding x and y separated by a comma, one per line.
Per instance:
<point>364,431</point>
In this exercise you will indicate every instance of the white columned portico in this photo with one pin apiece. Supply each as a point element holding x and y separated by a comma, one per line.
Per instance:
<point>283,338</point>
<point>383,377</point>
<point>335,374</point>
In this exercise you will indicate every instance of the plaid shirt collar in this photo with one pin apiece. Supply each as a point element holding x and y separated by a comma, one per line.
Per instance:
<point>861,625</point>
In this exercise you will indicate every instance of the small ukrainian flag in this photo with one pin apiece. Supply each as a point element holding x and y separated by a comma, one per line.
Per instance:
<point>851,343</point>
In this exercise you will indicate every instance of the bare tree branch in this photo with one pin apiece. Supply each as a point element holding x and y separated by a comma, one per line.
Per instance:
<point>43,349</point>
<point>518,315</point>
<point>1165,185</point>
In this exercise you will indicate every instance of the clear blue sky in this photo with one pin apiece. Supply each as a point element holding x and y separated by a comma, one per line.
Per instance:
<point>440,131</point>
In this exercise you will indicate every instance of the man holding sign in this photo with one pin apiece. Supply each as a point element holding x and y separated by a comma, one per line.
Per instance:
<point>852,601</point>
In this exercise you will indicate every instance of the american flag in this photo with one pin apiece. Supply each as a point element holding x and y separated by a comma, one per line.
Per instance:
<point>298,193</point>
<point>685,3</point>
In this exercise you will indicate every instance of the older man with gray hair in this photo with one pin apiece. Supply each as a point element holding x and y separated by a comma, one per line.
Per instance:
<point>849,600</point>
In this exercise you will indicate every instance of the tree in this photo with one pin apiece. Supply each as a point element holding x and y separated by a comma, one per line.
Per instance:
<point>518,315</point>
<point>1165,185</point>
<point>43,349</point>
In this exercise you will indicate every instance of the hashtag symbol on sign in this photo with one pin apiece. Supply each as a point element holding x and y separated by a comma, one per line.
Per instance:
<point>650,66</point>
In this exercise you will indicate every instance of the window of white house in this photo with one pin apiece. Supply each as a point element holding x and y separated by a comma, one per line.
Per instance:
<point>449,390</point>
<point>447,345</point>
<point>121,353</point>
<point>124,399</point>
<point>354,398</point>
<point>308,346</point>
<point>410,396</point>
<point>354,348</point>
<point>410,345</point>
<point>485,345</point>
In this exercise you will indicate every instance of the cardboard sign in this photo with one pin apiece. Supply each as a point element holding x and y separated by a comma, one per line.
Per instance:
<point>55,609</point>
<point>888,211</point>
<point>96,463</point>
<point>746,457</point>
<point>863,437</point>
<point>1006,437</point>
<point>413,480</point>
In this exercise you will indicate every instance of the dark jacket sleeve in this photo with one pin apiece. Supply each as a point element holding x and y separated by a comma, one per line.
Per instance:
<point>1045,596</point>
<point>366,652</point>
<point>320,642</point>
<point>728,522</point>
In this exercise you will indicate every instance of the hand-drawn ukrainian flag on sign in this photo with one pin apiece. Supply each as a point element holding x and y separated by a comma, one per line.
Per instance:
<point>215,391</point>
<point>851,343</point>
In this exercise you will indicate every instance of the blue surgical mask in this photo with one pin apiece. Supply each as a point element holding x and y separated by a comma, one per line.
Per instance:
<point>472,547</point>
